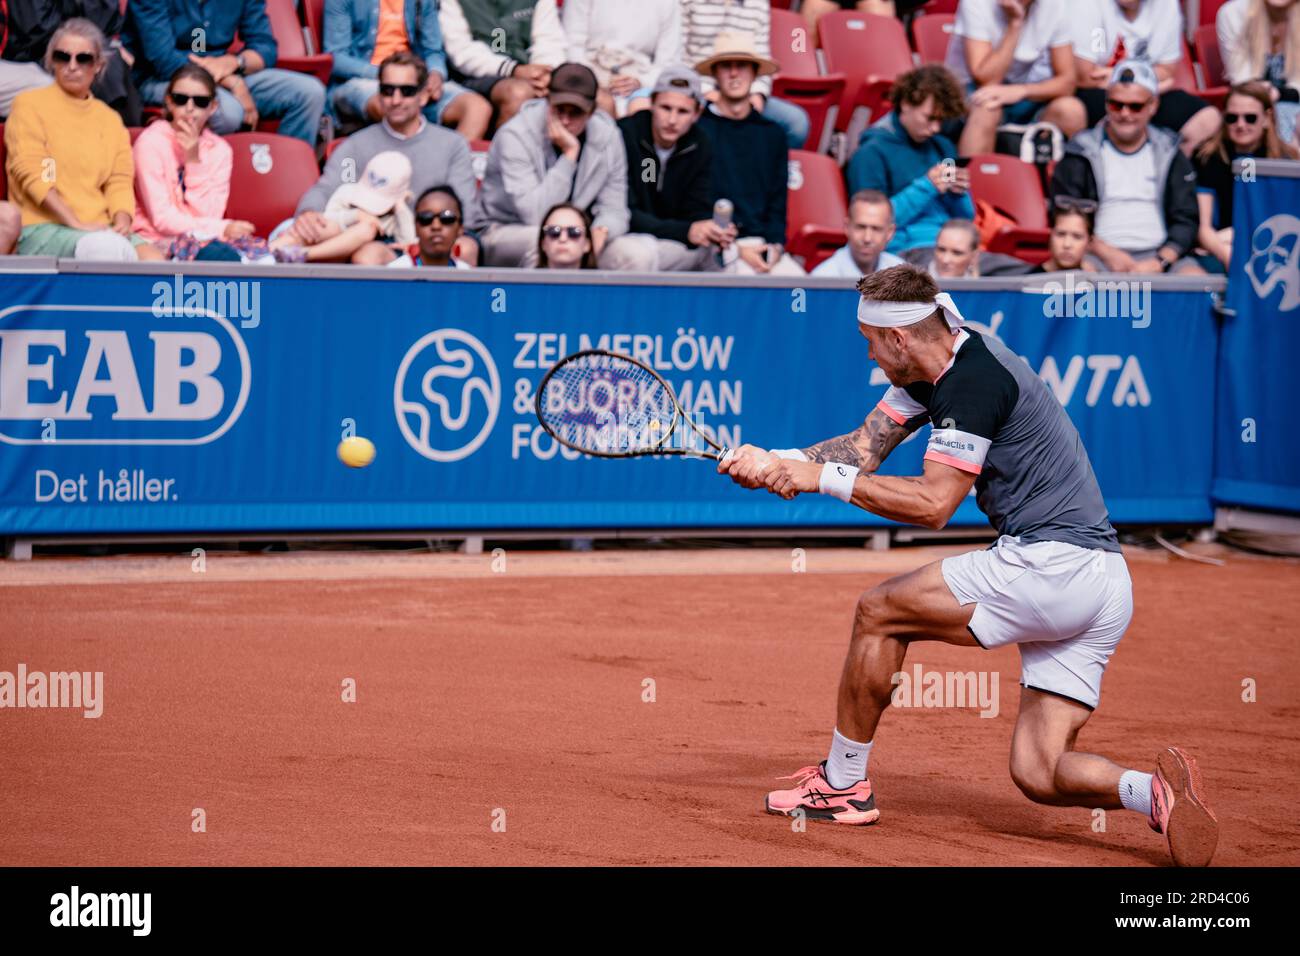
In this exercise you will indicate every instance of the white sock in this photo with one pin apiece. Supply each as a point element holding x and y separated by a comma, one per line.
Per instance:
<point>1135,791</point>
<point>847,763</point>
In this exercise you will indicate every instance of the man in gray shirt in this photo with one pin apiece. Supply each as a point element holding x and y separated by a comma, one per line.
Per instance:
<point>438,156</point>
<point>1055,582</point>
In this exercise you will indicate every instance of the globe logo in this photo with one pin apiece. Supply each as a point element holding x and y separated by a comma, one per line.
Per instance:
<point>446,395</point>
<point>1275,260</point>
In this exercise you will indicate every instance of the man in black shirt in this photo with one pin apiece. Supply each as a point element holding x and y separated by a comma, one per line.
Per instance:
<point>750,163</point>
<point>670,177</point>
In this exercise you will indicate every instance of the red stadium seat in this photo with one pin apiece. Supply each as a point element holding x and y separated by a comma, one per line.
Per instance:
<point>871,51</point>
<point>1211,60</point>
<point>293,54</point>
<point>816,204</point>
<point>334,144</point>
<point>270,174</point>
<point>1211,87</point>
<point>800,79</point>
<point>134,132</point>
<point>940,6</point>
<point>1209,10</point>
<point>1011,186</point>
<point>932,34</point>
<point>313,14</point>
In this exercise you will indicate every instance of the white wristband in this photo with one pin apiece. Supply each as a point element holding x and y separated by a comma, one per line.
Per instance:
<point>794,453</point>
<point>837,480</point>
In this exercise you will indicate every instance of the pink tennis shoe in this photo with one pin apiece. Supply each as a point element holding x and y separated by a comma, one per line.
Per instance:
<point>1178,809</point>
<point>818,800</point>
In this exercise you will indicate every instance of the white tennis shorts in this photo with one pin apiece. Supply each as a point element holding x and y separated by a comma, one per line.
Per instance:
<point>1066,606</point>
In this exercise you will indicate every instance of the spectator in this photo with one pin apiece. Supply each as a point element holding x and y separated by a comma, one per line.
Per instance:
<point>626,43</point>
<point>500,51</point>
<point>1144,185</point>
<point>814,10</point>
<point>377,207</point>
<point>1016,60</point>
<point>956,252</point>
<point>750,161</point>
<point>437,155</point>
<point>1260,40</point>
<point>564,239</point>
<point>76,202</point>
<point>1107,31</point>
<point>182,174</point>
<point>362,33</point>
<point>670,177</point>
<point>11,225</point>
<point>25,31</point>
<point>870,226</point>
<point>164,35</point>
<point>905,157</point>
<point>558,150</point>
<point>439,218</point>
<point>1067,245</point>
<point>1248,130</point>
<point>703,24</point>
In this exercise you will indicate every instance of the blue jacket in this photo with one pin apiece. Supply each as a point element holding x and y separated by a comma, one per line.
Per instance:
<point>162,33</point>
<point>351,27</point>
<point>891,161</point>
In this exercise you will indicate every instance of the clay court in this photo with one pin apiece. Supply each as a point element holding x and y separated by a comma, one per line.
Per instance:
<point>522,690</point>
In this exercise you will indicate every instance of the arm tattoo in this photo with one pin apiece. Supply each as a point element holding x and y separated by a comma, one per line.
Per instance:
<point>865,447</point>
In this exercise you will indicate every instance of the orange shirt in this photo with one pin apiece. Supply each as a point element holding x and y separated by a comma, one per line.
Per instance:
<point>391,36</point>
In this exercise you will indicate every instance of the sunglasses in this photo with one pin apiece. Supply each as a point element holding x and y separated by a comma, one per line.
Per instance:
<point>1118,106</point>
<point>409,90</point>
<point>182,99</point>
<point>446,217</point>
<point>573,232</point>
<point>1250,119</point>
<point>63,57</point>
<point>1070,204</point>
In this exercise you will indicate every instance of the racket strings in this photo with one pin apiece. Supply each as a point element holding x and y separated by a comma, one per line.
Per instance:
<point>605,404</point>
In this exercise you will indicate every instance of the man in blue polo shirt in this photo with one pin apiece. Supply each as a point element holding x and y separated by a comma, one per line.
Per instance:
<point>164,35</point>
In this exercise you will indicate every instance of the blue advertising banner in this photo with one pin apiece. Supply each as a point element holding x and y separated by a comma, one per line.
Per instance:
<point>1257,460</point>
<point>159,403</point>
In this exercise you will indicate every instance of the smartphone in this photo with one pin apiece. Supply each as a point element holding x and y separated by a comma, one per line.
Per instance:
<point>963,162</point>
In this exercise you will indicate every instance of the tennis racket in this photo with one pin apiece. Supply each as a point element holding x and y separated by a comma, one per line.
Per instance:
<point>611,405</point>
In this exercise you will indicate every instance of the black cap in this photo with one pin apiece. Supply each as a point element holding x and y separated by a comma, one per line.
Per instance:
<point>574,84</point>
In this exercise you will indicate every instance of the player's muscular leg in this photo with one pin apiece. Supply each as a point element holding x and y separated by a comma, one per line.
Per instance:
<point>917,606</point>
<point>1045,765</point>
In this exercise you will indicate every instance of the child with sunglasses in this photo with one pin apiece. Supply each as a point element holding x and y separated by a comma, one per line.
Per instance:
<point>1249,129</point>
<point>438,226</point>
<point>182,175</point>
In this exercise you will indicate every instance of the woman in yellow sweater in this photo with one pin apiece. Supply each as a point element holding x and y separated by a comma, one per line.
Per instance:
<point>70,169</point>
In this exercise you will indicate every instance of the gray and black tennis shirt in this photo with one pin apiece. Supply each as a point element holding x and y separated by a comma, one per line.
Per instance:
<point>993,417</point>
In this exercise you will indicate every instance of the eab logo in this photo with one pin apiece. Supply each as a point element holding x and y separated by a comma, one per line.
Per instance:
<point>446,395</point>
<point>118,375</point>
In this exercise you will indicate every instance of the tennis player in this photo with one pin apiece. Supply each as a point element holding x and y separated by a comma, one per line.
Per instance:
<point>1054,583</point>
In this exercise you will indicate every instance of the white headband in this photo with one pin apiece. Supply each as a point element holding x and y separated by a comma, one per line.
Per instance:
<point>892,315</point>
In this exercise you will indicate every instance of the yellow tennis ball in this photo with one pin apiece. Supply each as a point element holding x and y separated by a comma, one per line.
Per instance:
<point>356,452</point>
<point>654,424</point>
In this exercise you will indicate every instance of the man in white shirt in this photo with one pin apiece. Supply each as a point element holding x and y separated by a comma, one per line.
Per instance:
<point>1107,31</point>
<point>1145,187</point>
<point>870,226</point>
<point>1016,59</point>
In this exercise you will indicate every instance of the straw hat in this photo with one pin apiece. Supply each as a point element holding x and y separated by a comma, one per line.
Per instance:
<point>736,46</point>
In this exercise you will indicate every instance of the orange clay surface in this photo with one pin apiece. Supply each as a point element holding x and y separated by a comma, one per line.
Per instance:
<point>517,696</point>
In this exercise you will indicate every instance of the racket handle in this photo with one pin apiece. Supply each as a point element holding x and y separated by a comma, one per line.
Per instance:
<point>725,455</point>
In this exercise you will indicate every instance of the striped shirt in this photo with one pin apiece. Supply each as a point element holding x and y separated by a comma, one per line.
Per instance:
<point>703,20</point>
